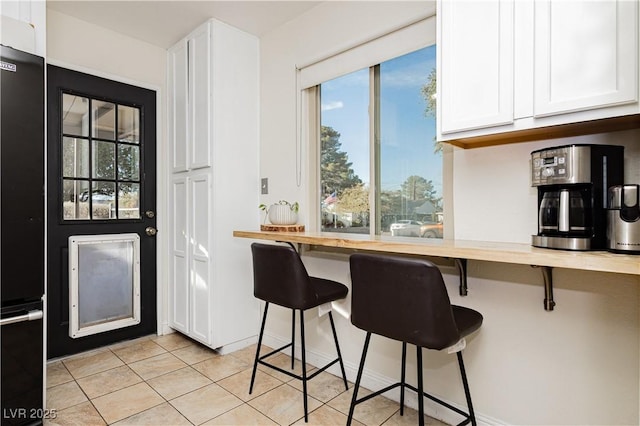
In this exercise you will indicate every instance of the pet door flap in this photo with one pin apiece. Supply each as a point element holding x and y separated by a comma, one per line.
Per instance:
<point>104,281</point>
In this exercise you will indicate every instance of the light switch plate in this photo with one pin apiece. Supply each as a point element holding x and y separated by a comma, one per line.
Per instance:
<point>264,186</point>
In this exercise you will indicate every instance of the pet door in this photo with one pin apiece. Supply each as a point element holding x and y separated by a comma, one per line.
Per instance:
<point>104,278</point>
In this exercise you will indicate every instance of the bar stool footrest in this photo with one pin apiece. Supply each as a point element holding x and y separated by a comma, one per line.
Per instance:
<point>467,417</point>
<point>275,351</point>
<point>289,373</point>
<point>444,404</point>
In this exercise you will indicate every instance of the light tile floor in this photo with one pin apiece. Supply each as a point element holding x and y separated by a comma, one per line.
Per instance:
<point>172,380</point>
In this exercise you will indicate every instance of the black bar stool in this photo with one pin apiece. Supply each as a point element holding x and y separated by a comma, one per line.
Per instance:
<point>279,277</point>
<point>406,300</point>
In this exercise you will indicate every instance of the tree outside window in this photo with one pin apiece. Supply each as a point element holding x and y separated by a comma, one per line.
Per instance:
<point>408,160</point>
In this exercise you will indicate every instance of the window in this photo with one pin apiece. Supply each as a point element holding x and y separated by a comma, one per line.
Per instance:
<point>380,165</point>
<point>100,159</point>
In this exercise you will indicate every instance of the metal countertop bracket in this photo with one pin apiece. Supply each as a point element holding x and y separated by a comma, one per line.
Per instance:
<point>462,269</point>
<point>547,276</point>
<point>296,246</point>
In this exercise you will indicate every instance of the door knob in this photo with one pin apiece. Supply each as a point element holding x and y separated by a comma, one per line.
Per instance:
<point>151,231</point>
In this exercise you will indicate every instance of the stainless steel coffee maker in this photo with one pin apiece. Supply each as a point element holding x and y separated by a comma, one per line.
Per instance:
<point>572,182</point>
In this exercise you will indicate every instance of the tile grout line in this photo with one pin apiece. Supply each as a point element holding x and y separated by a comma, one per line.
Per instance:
<point>242,359</point>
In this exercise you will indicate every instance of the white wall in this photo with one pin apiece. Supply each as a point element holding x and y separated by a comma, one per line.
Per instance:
<point>81,46</point>
<point>502,204</point>
<point>575,365</point>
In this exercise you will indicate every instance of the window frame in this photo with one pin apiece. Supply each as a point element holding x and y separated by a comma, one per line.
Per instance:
<point>311,99</point>
<point>91,138</point>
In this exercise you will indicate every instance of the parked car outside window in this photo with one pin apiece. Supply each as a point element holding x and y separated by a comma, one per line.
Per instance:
<point>414,228</point>
<point>431,230</point>
<point>406,228</point>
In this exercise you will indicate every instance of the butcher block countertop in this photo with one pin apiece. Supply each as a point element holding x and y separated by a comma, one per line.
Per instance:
<point>523,254</point>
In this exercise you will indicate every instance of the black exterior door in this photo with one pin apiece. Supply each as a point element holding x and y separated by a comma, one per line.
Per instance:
<point>101,181</point>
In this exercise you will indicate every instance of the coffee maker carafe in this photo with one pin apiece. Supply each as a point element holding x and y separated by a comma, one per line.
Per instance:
<point>572,182</point>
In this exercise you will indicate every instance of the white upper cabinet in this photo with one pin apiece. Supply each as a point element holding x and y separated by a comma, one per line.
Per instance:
<point>178,105</point>
<point>200,98</point>
<point>586,55</point>
<point>513,65</point>
<point>190,101</point>
<point>475,57</point>
<point>23,25</point>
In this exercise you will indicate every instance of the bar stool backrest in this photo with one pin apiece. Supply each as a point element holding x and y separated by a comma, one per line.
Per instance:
<point>402,299</point>
<point>279,276</point>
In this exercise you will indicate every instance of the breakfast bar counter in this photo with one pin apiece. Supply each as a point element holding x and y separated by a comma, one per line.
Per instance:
<point>515,253</point>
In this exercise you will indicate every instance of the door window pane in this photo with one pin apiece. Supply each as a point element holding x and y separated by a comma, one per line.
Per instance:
<point>104,160</point>
<point>104,120</point>
<point>75,199</point>
<point>128,162</point>
<point>75,115</point>
<point>344,153</point>
<point>128,124</point>
<point>129,201</point>
<point>103,200</point>
<point>75,157</point>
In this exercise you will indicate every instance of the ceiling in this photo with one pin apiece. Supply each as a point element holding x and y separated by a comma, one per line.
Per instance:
<point>163,23</point>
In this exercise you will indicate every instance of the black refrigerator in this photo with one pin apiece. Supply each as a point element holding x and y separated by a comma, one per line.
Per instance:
<point>22,356</point>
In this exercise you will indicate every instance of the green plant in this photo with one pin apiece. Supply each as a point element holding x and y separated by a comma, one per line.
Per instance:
<point>293,206</point>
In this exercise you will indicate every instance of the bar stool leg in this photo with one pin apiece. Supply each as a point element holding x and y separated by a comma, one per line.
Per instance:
<point>293,337</point>
<point>335,338</point>
<point>255,362</point>
<point>467,393</point>
<point>420,388</point>
<point>402,376</point>
<point>304,366</point>
<point>357,385</point>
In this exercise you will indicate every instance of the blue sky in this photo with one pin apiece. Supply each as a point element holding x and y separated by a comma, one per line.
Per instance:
<point>407,135</point>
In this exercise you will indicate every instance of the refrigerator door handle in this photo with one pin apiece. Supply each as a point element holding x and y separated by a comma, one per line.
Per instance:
<point>29,316</point>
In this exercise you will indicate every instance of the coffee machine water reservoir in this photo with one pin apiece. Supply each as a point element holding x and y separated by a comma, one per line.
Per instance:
<point>572,182</point>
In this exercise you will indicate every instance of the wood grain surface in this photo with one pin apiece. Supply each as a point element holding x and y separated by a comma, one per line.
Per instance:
<point>472,250</point>
<point>282,228</point>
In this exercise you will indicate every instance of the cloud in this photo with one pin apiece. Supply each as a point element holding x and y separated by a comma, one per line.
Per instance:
<point>409,77</point>
<point>332,105</point>
<point>414,74</point>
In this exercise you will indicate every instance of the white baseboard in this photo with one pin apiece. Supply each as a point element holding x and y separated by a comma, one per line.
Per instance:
<point>236,346</point>
<point>373,381</point>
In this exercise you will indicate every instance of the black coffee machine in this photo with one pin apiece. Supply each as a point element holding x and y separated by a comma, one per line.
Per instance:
<point>572,182</point>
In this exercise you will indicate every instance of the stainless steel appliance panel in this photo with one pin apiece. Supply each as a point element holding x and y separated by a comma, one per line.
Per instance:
<point>623,219</point>
<point>562,165</point>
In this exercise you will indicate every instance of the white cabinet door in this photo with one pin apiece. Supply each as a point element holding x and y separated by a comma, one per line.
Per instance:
<point>214,89</point>
<point>200,244</point>
<point>516,65</point>
<point>190,101</point>
<point>24,26</point>
<point>586,55</point>
<point>178,106</point>
<point>200,98</point>
<point>475,75</point>
<point>179,287</point>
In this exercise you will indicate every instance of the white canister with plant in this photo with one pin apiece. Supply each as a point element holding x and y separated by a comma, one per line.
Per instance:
<point>281,213</point>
